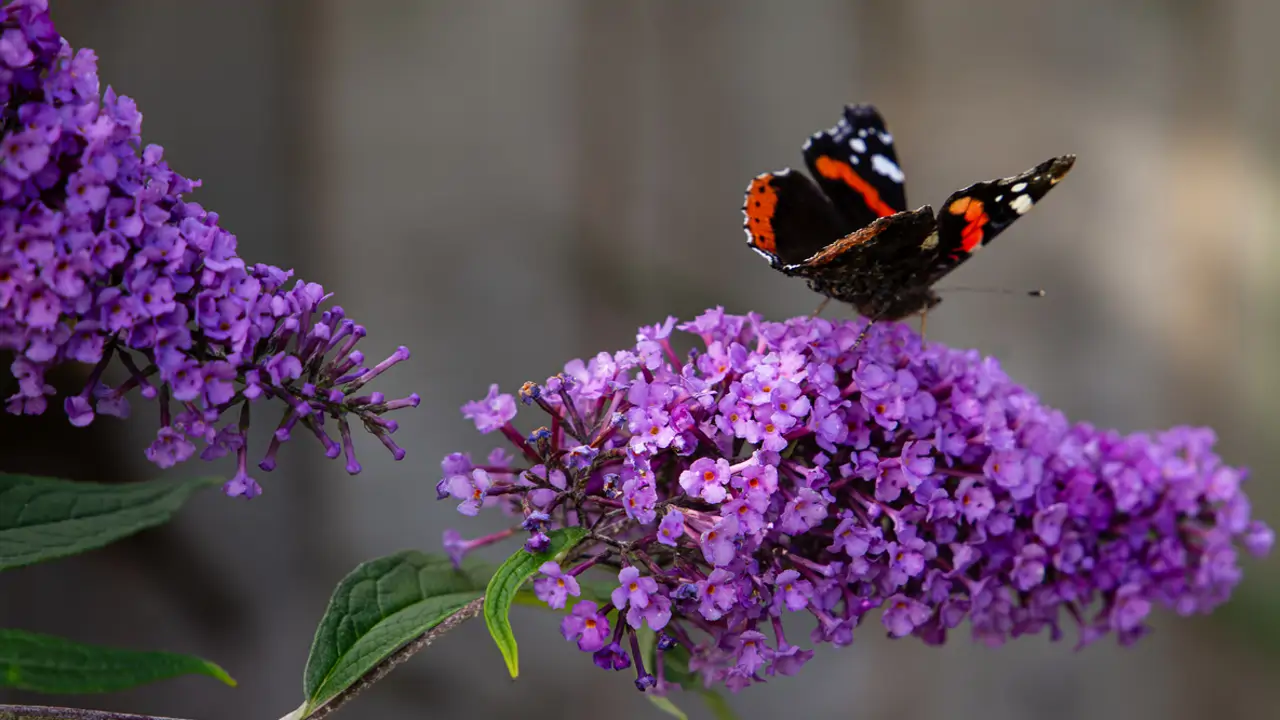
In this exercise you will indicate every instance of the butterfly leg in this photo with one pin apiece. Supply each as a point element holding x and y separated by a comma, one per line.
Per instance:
<point>924,317</point>
<point>821,307</point>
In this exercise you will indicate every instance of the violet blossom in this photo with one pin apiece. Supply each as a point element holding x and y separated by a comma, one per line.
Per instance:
<point>102,260</point>
<point>785,468</point>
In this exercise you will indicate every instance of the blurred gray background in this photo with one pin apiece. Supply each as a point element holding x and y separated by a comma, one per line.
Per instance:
<point>505,185</point>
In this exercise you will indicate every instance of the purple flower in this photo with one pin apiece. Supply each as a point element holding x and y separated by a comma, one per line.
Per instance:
<point>902,615</point>
<point>586,626</point>
<point>749,510</point>
<point>491,413</point>
<point>80,411</point>
<point>556,587</point>
<point>804,511</point>
<point>753,652</point>
<point>639,498</point>
<point>103,260</point>
<point>791,591</point>
<point>1130,609</point>
<point>1029,567</point>
<point>1259,538</point>
<point>241,485</point>
<point>611,657</point>
<point>1048,522</point>
<point>717,594</point>
<point>633,589</point>
<point>848,476</point>
<point>538,542</point>
<point>470,489</point>
<point>853,537</point>
<point>172,447</point>
<point>706,479</point>
<point>717,543</point>
<point>671,529</point>
<point>657,613</point>
<point>976,502</point>
<point>455,547</point>
<point>788,659</point>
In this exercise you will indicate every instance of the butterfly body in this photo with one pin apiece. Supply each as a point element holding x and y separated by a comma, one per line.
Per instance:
<point>852,238</point>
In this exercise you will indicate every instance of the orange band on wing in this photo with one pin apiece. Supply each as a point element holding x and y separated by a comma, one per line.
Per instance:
<point>836,170</point>
<point>762,202</point>
<point>975,217</point>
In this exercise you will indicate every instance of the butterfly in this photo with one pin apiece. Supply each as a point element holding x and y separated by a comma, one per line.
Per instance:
<point>851,236</point>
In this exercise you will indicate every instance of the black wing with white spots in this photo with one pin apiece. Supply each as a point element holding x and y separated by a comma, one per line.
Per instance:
<point>972,217</point>
<point>856,166</point>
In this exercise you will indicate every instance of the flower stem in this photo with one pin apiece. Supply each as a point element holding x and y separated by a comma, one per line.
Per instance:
<point>23,712</point>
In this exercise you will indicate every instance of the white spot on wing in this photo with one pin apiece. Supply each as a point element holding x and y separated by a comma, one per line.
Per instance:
<point>855,159</point>
<point>930,242</point>
<point>858,145</point>
<point>886,138</point>
<point>1021,204</point>
<point>887,168</point>
<point>999,197</point>
<point>1019,187</point>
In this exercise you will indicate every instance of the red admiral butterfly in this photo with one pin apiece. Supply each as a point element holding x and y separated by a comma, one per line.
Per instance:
<point>855,241</point>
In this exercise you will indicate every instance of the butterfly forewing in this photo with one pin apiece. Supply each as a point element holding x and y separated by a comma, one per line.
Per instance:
<point>856,165</point>
<point>972,217</point>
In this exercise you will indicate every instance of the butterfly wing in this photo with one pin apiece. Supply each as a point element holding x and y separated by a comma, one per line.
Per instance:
<point>879,269</point>
<point>787,219</point>
<point>856,166</point>
<point>972,217</point>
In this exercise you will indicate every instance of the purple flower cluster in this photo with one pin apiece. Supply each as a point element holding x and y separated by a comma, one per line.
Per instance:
<point>784,468</point>
<point>101,259</point>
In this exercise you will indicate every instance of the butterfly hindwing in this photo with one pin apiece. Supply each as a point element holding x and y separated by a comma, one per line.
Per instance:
<point>972,217</point>
<point>787,219</point>
<point>856,166</point>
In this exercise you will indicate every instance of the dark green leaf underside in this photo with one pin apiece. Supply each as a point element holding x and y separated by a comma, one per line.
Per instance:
<point>45,663</point>
<point>47,518</point>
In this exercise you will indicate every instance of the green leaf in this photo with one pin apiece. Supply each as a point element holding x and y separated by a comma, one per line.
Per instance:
<point>678,676</point>
<point>663,703</point>
<point>648,641</point>
<point>718,706</point>
<point>49,664</point>
<point>506,583</point>
<point>676,668</point>
<point>380,607</point>
<point>46,518</point>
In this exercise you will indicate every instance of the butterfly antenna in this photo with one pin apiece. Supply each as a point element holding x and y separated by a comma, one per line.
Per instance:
<point>863,335</point>
<point>998,291</point>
